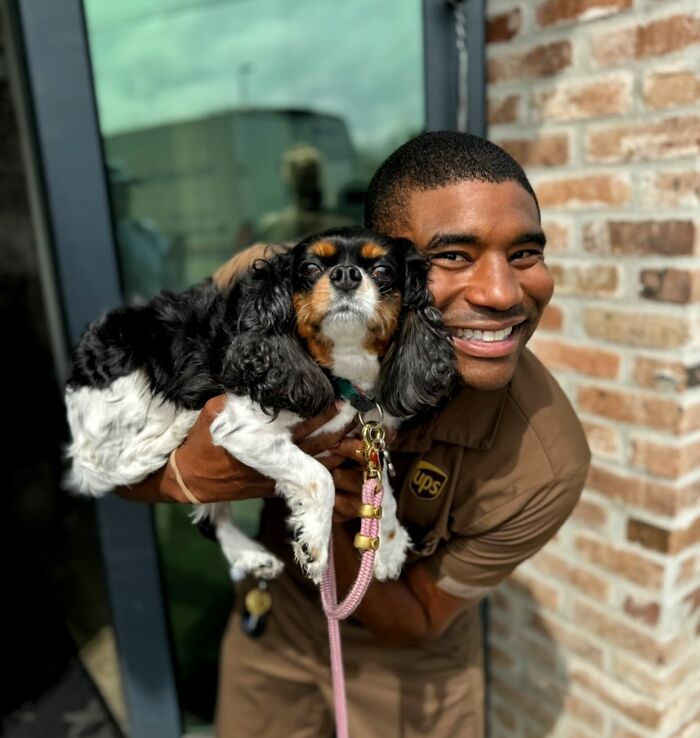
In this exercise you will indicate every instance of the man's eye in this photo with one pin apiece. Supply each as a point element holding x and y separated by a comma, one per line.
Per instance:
<point>449,256</point>
<point>527,255</point>
<point>382,272</point>
<point>310,269</point>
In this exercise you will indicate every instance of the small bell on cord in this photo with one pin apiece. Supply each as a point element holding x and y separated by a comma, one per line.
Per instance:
<point>256,606</point>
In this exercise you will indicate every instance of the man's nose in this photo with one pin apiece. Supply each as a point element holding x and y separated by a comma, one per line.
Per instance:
<point>494,284</point>
<point>346,277</point>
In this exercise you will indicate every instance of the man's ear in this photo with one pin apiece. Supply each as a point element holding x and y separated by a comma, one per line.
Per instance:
<point>420,368</point>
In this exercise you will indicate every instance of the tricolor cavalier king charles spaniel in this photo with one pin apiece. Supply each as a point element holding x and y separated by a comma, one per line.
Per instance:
<point>346,304</point>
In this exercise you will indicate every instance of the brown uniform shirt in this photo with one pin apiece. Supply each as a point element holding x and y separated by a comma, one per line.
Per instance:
<point>482,483</point>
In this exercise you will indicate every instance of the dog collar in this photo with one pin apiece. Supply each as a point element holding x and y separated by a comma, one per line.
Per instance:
<point>354,395</point>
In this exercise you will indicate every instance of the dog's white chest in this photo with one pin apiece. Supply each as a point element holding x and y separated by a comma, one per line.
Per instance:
<point>351,360</point>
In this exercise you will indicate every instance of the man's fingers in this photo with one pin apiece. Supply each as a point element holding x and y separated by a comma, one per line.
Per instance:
<point>350,448</point>
<point>349,481</point>
<point>325,441</point>
<point>309,425</point>
<point>345,508</point>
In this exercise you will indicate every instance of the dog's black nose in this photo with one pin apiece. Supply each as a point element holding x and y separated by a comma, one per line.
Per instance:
<point>346,277</point>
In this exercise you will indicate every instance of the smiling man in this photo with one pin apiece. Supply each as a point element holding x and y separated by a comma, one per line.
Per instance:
<point>482,483</point>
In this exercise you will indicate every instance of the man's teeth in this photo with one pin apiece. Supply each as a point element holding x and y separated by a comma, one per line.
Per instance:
<point>468,333</point>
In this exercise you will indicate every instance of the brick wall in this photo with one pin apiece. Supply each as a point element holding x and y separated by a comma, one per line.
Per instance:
<point>599,635</point>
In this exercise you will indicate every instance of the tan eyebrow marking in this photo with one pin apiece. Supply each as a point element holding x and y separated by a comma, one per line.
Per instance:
<point>372,250</point>
<point>323,249</point>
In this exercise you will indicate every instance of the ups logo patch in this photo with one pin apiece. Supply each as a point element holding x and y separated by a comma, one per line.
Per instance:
<point>427,481</point>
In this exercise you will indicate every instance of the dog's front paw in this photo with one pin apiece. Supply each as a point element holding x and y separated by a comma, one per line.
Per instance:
<point>260,564</point>
<point>312,556</point>
<point>391,553</point>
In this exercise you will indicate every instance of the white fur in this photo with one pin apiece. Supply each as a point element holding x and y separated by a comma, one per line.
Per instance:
<point>121,434</point>
<point>249,435</point>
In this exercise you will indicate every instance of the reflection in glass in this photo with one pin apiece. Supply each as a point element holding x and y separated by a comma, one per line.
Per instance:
<point>226,122</point>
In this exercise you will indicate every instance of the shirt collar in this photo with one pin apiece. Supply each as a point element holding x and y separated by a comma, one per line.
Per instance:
<point>469,418</point>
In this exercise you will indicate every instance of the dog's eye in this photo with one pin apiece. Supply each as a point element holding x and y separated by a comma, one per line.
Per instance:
<point>382,272</point>
<point>310,269</point>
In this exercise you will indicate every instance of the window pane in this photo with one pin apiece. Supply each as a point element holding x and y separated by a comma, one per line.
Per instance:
<point>226,122</point>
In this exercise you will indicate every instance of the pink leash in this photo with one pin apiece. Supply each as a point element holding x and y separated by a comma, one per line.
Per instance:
<point>372,494</point>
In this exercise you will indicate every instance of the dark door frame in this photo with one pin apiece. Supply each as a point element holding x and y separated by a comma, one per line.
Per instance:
<point>71,211</point>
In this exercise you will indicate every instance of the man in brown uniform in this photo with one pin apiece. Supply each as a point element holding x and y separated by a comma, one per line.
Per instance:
<point>482,483</point>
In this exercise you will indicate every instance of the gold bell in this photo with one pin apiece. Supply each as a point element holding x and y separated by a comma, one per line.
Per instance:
<point>258,602</point>
<point>366,543</point>
<point>370,511</point>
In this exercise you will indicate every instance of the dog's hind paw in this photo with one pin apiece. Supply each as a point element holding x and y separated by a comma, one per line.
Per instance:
<point>391,553</point>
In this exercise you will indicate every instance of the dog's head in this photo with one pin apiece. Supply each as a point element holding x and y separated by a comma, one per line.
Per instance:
<point>354,281</point>
<point>348,286</point>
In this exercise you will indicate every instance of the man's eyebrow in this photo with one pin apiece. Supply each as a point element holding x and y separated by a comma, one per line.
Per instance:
<point>451,239</point>
<point>537,237</point>
<point>440,240</point>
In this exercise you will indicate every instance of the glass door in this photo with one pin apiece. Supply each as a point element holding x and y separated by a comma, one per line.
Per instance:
<point>226,122</point>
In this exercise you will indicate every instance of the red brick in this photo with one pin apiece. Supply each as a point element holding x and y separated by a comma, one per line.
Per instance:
<point>534,589</point>
<point>545,151</point>
<point>689,729</point>
<point>525,700</point>
<point>664,139</point>
<point>672,88</point>
<point>567,637</point>
<point>637,329</point>
<point>558,236</point>
<point>563,11</point>
<point>541,61</point>
<point>662,539</point>
<point>621,561</point>
<point>620,731</point>
<point>632,638</point>
<point>640,237</point>
<point>645,611</point>
<point>582,100</point>
<point>504,110</point>
<point>656,497</point>
<point>588,191</point>
<point>670,462</point>
<point>590,514</point>
<point>585,280</point>
<point>679,286</point>
<point>603,439</point>
<point>664,374</point>
<point>625,701</point>
<point>640,676</point>
<point>671,189</point>
<point>552,318</point>
<point>593,585</point>
<point>590,714</point>
<point>663,413</point>
<point>656,38</point>
<point>692,601</point>
<point>561,355</point>
<point>503,26</point>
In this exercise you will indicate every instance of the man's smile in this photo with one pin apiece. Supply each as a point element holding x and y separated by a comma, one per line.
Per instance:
<point>483,342</point>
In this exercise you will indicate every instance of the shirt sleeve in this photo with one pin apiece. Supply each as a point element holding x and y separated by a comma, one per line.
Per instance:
<point>470,565</point>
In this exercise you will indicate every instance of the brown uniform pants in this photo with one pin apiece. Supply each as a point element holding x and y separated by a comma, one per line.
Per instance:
<point>279,685</point>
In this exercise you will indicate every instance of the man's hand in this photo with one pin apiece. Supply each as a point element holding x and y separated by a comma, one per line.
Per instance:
<point>213,475</point>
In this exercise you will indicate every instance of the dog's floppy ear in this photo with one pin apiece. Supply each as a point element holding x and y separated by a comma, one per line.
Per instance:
<point>420,368</point>
<point>265,359</point>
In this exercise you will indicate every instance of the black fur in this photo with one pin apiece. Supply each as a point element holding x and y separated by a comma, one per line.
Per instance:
<point>242,340</point>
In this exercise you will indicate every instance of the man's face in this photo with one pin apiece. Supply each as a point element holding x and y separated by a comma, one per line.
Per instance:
<point>488,275</point>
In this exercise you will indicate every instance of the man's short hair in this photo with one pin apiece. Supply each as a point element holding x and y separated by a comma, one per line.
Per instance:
<point>430,161</point>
